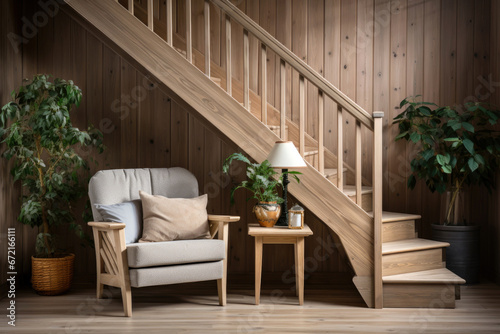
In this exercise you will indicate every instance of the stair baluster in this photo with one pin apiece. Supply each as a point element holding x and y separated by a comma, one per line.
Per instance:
<point>229,76</point>
<point>340,150</point>
<point>321,135</point>
<point>302,116</point>
<point>246,70</point>
<point>131,6</point>
<point>170,31</point>
<point>263,83</point>
<point>358,178</point>
<point>283,100</point>
<point>150,14</point>
<point>189,34</point>
<point>206,16</point>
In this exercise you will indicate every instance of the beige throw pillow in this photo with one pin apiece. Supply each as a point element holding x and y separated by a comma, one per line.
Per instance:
<point>167,219</point>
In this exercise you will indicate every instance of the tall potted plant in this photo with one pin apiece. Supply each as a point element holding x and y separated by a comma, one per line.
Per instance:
<point>37,132</point>
<point>455,147</point>
<point>263,182</point>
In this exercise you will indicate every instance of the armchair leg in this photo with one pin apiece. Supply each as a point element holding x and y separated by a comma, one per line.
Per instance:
<point>221,288</point>
<point>127,300</point>
<point>100,288</point>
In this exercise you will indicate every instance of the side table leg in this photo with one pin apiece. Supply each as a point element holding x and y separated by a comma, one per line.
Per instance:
<point>300,268</point>
<point>258,268</point>
<point>296,256</point>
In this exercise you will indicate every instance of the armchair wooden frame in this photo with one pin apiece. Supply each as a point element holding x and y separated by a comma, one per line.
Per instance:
<point>112,262</point>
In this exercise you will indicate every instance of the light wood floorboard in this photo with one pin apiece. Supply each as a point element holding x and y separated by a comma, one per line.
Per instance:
<point>193,308</point>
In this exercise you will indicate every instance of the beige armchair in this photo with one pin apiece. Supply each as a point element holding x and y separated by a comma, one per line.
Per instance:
<point>124,263</point>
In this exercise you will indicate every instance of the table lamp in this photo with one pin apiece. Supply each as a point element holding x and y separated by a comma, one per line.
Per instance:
<point>284,155</point>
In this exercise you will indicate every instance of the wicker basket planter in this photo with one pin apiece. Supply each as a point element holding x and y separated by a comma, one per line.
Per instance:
<point>52,276</point>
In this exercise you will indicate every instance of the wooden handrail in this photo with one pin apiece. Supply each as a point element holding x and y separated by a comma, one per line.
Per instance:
<point>298,64</point>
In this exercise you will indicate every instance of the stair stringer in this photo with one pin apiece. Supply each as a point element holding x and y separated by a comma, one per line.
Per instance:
<point>353,225</point>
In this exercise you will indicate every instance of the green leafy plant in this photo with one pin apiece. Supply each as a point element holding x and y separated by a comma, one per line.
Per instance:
<point>37,132</point>
<point>262,179</point>
<point>456,146</point>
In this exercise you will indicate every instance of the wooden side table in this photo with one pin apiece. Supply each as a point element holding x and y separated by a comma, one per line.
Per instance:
<point>280,235</point>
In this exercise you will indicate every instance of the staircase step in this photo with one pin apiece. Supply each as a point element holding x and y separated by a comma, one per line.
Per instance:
<point>332,172</point>
<point>433,276</point>
<point>398,230</point>
<point>410,245</point>
<point>350,190</point>
<point>388,217</point>
<point>420,295</point>
<point>411,255</point>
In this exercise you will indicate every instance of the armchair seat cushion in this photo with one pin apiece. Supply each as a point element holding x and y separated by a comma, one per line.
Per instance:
<point>165,253</point>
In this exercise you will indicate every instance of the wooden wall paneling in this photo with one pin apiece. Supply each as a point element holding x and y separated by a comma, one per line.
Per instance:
<point>78,68</point>
<point>493,208</point>
<point>431,93</point>
<point>364,76</point>
<point>198,24</point>
<point>448,52</point>
<point>252,10</point>
<point>465,50</point>
<point>414,86</point>
<point>112,108</point>
<point>284,35</point>
<point>215,34</point>
<point>299,47</point>
<point>397,150</point>
<point>197,143</point>
<point>332,68</point>
<point>161,128</point>
<point>482,25</point>
<point>238,248</point>
<point>381,77</point>
<point>267,20</point>
<point>348,39</point>
<point>11,67</point>
<point>129,116</point>
<point>315,46</point>
<point>237,46</point>
<point>180,10</point>
<point>213,172</point>
<point>61,54</point>
<point>179,136</point>
<point>29,68</point>
<point>482,72</point>
<point>145,118</point>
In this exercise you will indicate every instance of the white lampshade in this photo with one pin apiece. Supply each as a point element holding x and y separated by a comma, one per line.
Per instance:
<point>285,155</point>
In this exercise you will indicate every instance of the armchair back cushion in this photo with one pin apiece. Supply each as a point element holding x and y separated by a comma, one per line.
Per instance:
<point>122,185</point>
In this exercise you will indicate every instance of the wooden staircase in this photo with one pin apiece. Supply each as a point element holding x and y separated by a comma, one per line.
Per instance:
<point>393,268</point>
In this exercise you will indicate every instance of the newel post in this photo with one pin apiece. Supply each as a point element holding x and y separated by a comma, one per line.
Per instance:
<point>377,208</point>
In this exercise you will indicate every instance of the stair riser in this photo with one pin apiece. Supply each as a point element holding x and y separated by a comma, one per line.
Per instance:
<point>366,201</point>
<point>395,231</point>
<point>419,295</point>
<point>333,178</point>
<point>408,262</point>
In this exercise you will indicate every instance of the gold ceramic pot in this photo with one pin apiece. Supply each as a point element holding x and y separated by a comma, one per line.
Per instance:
<point>267,213</point>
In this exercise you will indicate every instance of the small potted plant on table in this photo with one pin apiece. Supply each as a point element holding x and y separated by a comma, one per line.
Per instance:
<point>263,182</point>
<point>456,147</point>
<point>37,132</point>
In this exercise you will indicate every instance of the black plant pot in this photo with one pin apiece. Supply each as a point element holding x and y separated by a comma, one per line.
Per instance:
<point>462,257</point>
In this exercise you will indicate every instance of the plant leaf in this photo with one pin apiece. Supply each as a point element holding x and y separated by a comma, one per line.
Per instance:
<point>469,145</point>
<point>472,164</point>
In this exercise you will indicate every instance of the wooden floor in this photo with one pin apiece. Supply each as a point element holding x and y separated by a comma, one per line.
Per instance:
<point>192,308</point>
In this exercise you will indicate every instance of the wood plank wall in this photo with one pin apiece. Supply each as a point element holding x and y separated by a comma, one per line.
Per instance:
<point>376,51</point>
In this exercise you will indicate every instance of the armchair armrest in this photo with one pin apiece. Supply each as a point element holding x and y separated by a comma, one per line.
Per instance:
<point>107,226</point>
<point>218,223</point>
<point>221,218</point>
